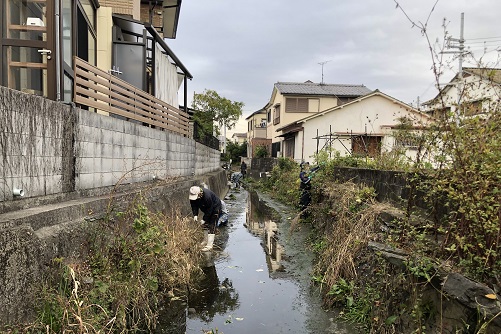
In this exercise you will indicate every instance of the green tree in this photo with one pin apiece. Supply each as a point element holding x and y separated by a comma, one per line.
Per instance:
<point>261,151</point>
<point>236,150</point>
<point>214,109</point>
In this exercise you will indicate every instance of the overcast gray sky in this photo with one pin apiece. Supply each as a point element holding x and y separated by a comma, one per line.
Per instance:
<point>240,48</point>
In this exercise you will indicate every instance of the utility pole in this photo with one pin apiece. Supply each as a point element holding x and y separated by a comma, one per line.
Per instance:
<point>322,64</point>
<point>459,46</point>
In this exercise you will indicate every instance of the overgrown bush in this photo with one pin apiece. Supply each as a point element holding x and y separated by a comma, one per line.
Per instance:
<point>283,182</point>
<point>261,151</point>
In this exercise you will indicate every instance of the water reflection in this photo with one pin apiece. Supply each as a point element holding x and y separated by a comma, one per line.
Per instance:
<point>259,223</point>
<point>212,296</point>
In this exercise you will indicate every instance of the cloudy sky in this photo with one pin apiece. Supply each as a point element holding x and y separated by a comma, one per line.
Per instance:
<point>240,48</point>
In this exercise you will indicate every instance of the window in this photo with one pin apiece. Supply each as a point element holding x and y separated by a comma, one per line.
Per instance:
<point>276,115</point>
<point>249,125</point>
<point>269,116</point>
<point>366,146</point>
<point>472,108</point>
<point>407,140</point>
<point>296,104</point>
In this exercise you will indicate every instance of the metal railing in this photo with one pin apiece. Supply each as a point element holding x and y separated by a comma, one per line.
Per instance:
<point>98,89</point>
<point>203,138</point>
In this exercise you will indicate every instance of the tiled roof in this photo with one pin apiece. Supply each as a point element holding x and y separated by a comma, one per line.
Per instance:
<point>310,88</point>
<point>239,134</point>
<point>493,74</point>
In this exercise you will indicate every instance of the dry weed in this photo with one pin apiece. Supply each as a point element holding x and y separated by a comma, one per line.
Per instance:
<point>349,223</point>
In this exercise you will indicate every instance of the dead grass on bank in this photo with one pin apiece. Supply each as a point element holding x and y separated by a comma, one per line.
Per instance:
<point>137,260</point>
<point>347,217</point>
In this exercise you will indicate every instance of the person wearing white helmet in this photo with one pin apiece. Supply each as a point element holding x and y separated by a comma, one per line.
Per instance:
<point>206,201</point>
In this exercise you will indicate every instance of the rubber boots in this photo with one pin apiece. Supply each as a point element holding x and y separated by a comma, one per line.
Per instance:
<point>210,243</point>
<point>204,243</point>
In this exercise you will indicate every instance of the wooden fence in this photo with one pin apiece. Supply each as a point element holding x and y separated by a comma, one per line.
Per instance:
<point>98,89</point>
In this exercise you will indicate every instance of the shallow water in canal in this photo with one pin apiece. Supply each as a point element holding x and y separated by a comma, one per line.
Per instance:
<point>257,280</point>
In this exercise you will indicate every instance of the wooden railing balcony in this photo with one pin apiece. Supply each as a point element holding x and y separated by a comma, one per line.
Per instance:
<point>98,89</point>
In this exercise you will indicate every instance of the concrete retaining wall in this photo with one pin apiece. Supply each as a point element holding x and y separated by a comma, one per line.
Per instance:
<point>54,151</point>
<point>35,145</point>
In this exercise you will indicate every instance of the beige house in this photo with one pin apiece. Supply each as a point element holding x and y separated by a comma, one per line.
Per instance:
<point>363,126</point>
<point>256,132</point>
<point>292,101</point>
<point>239,138</point>
<point>478,92</point>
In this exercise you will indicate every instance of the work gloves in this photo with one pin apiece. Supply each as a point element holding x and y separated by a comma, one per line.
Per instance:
<point>195,219</point>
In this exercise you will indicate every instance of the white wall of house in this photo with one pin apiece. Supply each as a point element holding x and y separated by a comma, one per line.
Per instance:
<point>373,115</point>
<point>474,88</point>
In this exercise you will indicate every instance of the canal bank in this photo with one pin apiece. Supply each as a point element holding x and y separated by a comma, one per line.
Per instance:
<point>32,238</point>
<point>258,277</point>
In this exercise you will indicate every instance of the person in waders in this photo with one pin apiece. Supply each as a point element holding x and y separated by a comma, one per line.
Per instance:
<point>206,201</point>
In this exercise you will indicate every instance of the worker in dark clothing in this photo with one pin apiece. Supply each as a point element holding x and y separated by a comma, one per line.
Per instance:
<point>304,190</point>
<point>305,184</point>
<point>206,201</point>
<point>243,169</point>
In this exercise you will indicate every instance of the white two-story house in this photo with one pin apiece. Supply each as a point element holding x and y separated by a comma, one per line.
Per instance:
<point>475,92</point>
<point>291,101</point>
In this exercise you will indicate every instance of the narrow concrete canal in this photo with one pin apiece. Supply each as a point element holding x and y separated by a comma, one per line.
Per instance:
<point>258,277</point>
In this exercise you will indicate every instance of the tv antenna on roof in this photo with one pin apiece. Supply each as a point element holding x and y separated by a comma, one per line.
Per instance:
<point>323,63</point>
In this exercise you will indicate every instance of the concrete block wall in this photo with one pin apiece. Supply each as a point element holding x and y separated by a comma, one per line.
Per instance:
<point>110,150</point>
<point>35,139</point>
<point>49,148</point>
<point>207,159</point>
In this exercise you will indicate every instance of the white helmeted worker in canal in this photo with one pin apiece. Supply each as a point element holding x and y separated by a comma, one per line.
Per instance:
<point>206,201</point>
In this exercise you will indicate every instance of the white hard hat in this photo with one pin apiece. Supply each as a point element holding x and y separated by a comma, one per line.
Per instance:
<point>194,192</point>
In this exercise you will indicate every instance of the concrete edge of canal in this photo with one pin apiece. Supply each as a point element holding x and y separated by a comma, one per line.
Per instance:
<point>31,238</point>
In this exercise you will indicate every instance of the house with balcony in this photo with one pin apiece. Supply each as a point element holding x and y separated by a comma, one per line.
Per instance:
<point>256,132</point>
<point>107,56</point>
<point>475,92</point>
<point>366,126</point>
<point>292,101</point>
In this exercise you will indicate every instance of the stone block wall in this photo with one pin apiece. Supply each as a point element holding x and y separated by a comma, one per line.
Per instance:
<point>259,166</point>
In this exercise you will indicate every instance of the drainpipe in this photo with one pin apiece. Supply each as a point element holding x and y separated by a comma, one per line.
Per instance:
<point>58,50</point>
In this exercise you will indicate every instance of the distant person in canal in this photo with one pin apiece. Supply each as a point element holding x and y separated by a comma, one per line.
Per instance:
<point>305,184</point>
<point>206,201</point>
<point>243,169</point>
